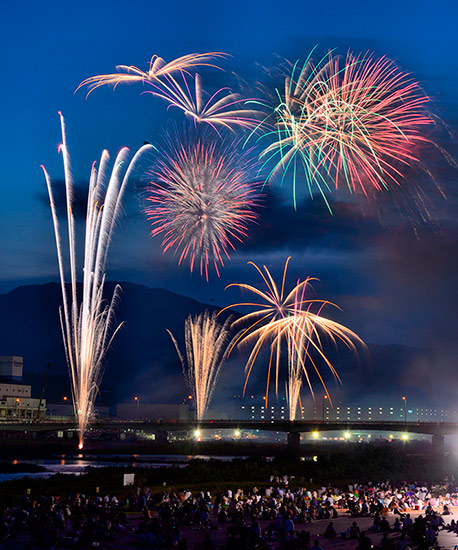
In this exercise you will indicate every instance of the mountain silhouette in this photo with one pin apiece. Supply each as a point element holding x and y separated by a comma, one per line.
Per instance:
<point>142,359</point>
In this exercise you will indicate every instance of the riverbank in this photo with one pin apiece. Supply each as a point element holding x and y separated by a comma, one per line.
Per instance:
<point>337,465</point>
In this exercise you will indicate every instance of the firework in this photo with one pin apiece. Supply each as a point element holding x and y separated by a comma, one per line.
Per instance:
<point>223,108</point>
<point>207,347</point>
<point>292,320</point>
<point>171,82</point>
<point>202,198</point>
<point>358,122</point>
<point>158,68</point>
<point>297,347</point>
<point>293,390</point>
<point>87,326</point>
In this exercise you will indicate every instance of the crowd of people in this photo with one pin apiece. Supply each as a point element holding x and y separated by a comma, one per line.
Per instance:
<point>274,516</point>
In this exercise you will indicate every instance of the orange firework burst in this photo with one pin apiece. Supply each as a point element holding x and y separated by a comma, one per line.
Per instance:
<point>292,319</point>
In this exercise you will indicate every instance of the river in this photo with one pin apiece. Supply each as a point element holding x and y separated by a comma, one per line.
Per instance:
<point>77,464</point>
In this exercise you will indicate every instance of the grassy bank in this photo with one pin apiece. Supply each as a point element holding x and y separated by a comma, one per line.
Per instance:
<point>337,466</point>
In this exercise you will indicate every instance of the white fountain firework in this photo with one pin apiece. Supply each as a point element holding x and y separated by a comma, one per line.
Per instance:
<point>87,326</point>
<point>207,346</point>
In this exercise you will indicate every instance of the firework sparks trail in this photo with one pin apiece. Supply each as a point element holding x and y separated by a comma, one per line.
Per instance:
<point>202,198</point>
<point>157,68</point>
<point>170,82</point>
<point>207,346</point>
<point>289,318</point>
<point>222,109</point>
<point>87,326</point>
<point>359,122</point>
<point>296,363</point>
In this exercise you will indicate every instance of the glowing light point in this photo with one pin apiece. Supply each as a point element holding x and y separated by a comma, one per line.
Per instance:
<point>315,435</point>
<point>405,437</point>
<point>347,435</point>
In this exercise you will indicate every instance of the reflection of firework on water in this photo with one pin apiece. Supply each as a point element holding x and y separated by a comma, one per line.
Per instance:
<point>207,347</point>
<point>202,198</point>
<point>87,325</point>
<point>171,82</point>
<point>358,122</point>
<point>295,320</point>
<point>158,68</point>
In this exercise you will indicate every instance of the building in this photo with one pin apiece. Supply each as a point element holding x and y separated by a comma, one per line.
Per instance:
<point>16,401</point>
<point>11,367</point>
<point>341,412</point>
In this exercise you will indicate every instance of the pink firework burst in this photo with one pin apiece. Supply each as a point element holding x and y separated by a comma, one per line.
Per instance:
<point>203,197</point>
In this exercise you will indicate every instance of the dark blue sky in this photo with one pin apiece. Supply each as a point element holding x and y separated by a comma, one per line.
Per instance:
<point>395,284</point>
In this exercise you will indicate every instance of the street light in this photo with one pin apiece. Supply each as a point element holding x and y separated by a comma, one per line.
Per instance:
<point>138,405</point>
<point>324,397</point>
<point>405,408</point>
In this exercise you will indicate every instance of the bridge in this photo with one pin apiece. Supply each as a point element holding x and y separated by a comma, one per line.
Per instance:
<point>438,430</point>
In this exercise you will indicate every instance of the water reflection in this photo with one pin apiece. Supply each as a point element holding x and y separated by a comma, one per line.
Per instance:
<point>77,464</point>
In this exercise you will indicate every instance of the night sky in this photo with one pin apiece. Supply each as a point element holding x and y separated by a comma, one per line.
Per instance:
<point>393,274</point>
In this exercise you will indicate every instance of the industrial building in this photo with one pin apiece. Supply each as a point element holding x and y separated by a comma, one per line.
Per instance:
<point>16,401</point>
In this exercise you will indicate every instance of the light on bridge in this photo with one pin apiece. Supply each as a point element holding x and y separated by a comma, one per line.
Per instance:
<point>197,434</point>
<point>347,435</point>
<point>405,437</point>
<point>315,434</point>
<point>237,433</point>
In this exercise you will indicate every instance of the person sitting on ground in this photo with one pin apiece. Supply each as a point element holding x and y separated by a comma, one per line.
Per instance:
<point>386,543</point>
<point>384,525</point>
<point>430,535</point>
<point>330,532</point>
<point>354,531</point>
<point>407,522</point>
<point>365,542</point>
